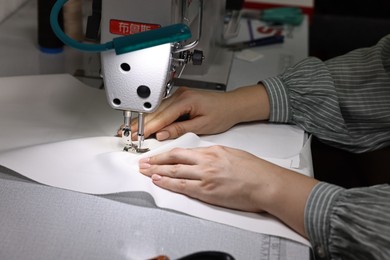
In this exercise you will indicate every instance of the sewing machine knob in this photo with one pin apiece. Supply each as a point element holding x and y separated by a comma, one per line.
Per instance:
<point>143,91</point>
<point>197,57</point>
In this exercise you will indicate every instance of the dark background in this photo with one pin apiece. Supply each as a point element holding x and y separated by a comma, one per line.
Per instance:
<point>337,27</point>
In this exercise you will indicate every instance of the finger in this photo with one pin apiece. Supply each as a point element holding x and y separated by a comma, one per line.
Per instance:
<point>153,123</point>
<point>178,129</point>
<point>174,156</point>
<point>119,131</point>
<point>190,188</point>
<point>172,131</point>
<point>160,123</point>
<point>172,109</point>
<point>176,171</point>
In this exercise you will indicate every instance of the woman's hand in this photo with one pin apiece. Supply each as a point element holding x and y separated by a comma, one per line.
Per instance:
<point>207,112</point>
<point>217,175</point>
<point>232,178</point>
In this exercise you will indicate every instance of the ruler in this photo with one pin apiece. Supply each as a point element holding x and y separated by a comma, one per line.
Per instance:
<point>277,248</point>
<point>270,248</point>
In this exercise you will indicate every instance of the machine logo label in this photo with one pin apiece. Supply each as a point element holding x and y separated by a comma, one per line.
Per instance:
<point>127,27</point>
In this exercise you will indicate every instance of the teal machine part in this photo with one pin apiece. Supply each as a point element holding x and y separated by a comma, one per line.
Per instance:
<point>123,44</point>
<point>284,15</point>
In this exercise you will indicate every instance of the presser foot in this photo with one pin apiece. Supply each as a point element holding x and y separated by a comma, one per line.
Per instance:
<point>129,145</point>
<point>142,150</point>
<point>126,134</point>
<point>134,149</point>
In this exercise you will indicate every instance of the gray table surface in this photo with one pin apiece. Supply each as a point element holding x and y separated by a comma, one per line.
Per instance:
<point>41,222</point>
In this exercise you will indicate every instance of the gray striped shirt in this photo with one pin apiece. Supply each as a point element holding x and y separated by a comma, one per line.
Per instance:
<point>345,102</point>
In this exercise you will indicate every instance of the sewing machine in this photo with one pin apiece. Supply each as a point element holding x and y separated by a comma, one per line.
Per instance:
<point>147,47</point>
<point>138,81</point>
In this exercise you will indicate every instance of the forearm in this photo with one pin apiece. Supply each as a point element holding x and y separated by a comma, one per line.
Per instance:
<point>287,196</point>
<point>248,104</point>
<point>279,191</point>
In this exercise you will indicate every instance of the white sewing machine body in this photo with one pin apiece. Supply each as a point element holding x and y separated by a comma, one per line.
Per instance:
<point>139,80</point>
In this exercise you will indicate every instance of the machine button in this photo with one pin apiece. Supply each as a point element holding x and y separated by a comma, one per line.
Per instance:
<point>197,57</point>
<point>143,91</point>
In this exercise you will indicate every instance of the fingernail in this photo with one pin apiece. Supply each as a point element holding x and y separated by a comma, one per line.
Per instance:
<point>144,160</point>
<point>144,165</point>
<point>156,177</point>
<point>163,135</point>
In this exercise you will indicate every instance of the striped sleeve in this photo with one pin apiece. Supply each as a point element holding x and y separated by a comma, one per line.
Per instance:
<point>349,224</point>
<point>344,101</point>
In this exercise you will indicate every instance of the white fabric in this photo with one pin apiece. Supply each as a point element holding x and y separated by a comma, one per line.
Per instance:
<point>99,166</point>
<point>56,131</point>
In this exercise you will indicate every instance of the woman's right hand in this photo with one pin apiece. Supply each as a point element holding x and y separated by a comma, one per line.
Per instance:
<point>206,112</point>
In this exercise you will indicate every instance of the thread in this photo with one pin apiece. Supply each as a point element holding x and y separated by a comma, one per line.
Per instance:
<point>47,40</point>
<point>73,19</point>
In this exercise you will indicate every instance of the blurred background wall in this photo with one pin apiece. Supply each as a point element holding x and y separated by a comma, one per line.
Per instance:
<point>7,7</point>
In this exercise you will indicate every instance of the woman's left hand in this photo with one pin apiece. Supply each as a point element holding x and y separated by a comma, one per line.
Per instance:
<point>232,178</point>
